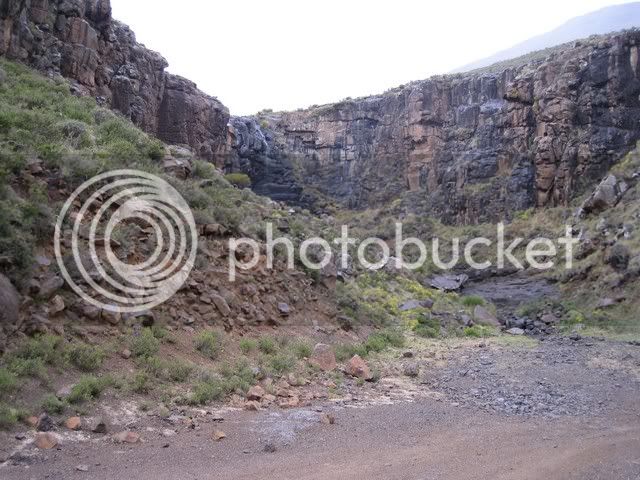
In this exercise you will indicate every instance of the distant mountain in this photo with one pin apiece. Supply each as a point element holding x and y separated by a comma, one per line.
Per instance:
<point>608,19</point>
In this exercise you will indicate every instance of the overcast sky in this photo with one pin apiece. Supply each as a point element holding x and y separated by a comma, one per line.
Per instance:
<point>286,54</point>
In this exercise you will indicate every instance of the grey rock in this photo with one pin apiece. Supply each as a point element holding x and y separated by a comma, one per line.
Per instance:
<point>414,304</point>
<point>515,331</point>
<point>50,286</point>
<point>448,283</point>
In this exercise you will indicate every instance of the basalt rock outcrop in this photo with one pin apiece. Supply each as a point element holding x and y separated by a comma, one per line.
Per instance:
<point>81,41</point>
<point>466,147</point>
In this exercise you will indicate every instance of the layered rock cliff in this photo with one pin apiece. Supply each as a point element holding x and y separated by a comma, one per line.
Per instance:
<point>81,41</point>
<point>466,147</point>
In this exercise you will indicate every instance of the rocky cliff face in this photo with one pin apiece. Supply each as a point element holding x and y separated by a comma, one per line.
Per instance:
<point>79,40</point>
<point>464,148</point>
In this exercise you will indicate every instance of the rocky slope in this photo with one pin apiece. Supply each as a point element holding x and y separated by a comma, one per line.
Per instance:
<point>81,41</point>
<point>467,148</point>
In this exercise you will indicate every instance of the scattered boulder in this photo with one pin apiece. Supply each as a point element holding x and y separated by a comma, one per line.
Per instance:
<point>549,319</point>
<point>221,304</point>
<point>412,369</point>
<point>73,423</point>
<point>323,357</point>
<point>606,303</point>
<point>515,331</point>
<point>448,283</point>
<point>99,426</point>
<point>284,309</point>
<point>358,368</point>
<point>255,393</point>
<point>606,195</point>
<point>218,435</point>
<point>126,354</point>
<point>57,305</point>
<point>146,318</point>
<point>32,421</point>
<point>618,257</point>
<point>45,441</point>
<point>482,316</point>
<point>414,304</point>
<point>252,406</point>
<point>50,287</point>
<point>111,315</point>
<point>45,423</point>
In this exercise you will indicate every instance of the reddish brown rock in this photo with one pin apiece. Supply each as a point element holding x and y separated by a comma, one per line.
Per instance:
<point>358,368</point>
<point>73,423</point>
<point>81,41</point>
<point>126,437</point>
<point>323,357</point>
<point>45,441</point>
<point>255,393</point>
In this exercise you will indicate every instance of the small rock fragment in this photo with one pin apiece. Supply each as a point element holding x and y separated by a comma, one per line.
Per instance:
<point>328,419</point>
<point>126,437</point>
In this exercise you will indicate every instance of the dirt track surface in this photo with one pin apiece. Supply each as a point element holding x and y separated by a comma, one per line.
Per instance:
<point>455,431</point>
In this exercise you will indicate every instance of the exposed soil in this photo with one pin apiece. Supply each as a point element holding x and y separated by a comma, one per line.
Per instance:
<point>561,409</point>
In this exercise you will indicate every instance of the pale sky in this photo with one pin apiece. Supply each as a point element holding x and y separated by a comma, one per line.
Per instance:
<point>286,54</point>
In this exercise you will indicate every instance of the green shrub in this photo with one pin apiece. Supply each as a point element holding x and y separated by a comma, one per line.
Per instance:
<point>209,344</point>
<point>302,349</point>
<point>89,388</point>
<point>480,331</point>
<point>427,327</point>
<point>145,344</point>
<point>472,301</point>
<point>346,351</point>
<point>179,371</point>
<point>240,180</point>
<point>248,345</point>
<point>157,367</point>
<point>8,381</point>
<point>280,364</point>
<point>206,391</point>
<point>31,358</point>
<point>238,376</point>
<point>53,405</point>
<point>27,367</point>
<point>267,345</point>
<point>141,383</point>
<point>86,358</point>
<point>8,417</point>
